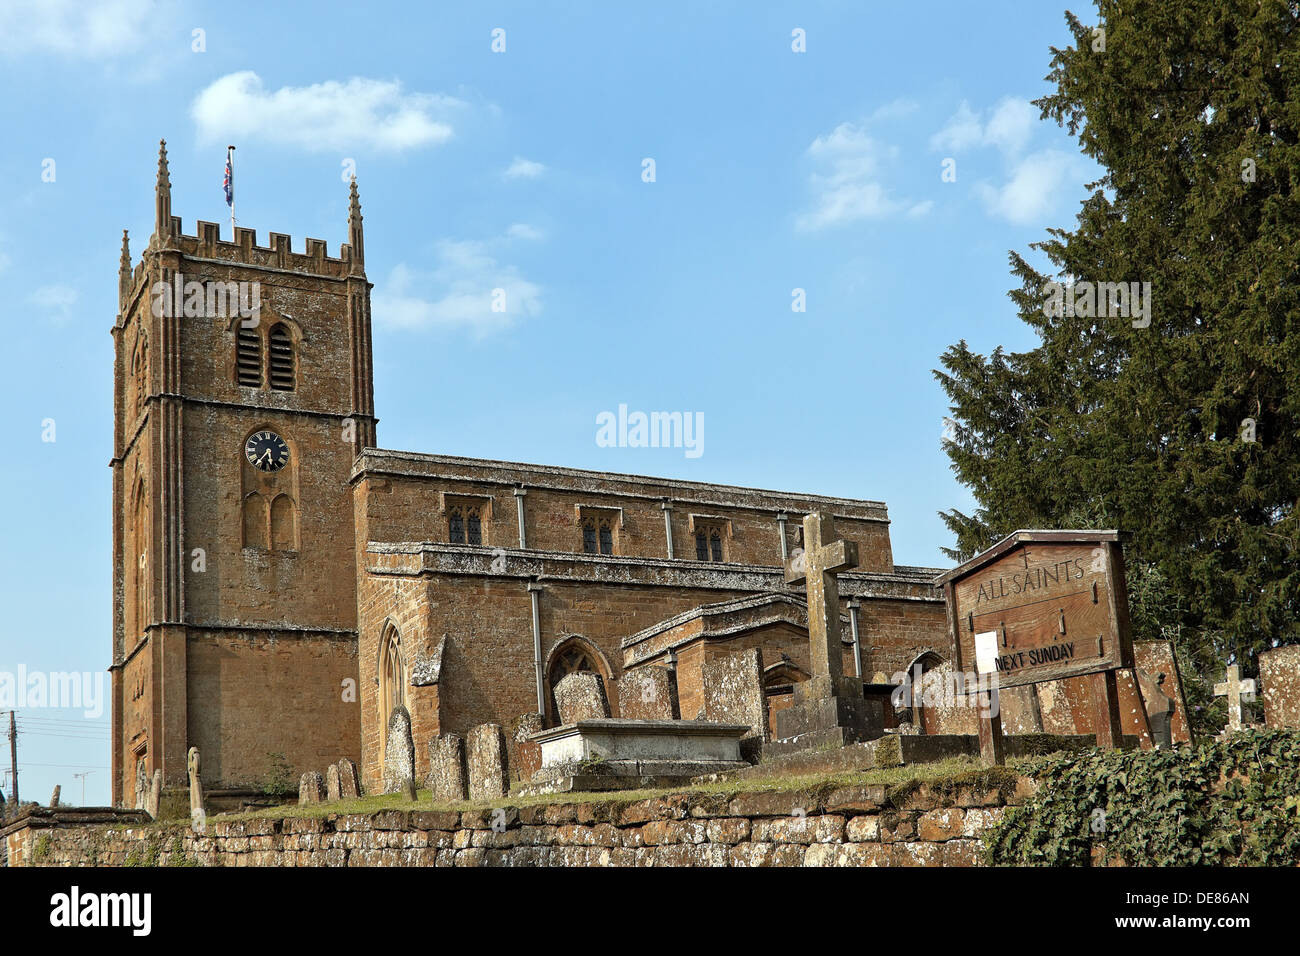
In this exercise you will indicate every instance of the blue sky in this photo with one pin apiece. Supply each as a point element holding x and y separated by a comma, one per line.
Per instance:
<point>522,170</point>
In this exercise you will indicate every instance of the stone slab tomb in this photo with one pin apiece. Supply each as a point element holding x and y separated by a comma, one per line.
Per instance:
<point>649,693</point>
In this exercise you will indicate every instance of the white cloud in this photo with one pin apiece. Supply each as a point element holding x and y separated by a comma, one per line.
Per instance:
<point>1033,189</point>
<point>4,262</point>
<point>1009,127</point>
<point>847,187</point>
<point>521,230</point>
<point>74,28</point>
<point>333,115</point>
<point>459,292</point>
<point>523,169</point>
<point>56,300</point>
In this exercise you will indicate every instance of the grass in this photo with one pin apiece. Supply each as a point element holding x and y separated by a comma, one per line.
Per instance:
<point>945,774</point>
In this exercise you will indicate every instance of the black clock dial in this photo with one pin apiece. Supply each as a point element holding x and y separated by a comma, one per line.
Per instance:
<point>266,451</point>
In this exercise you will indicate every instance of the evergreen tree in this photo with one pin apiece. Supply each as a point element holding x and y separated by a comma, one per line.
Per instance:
<point>1185,432</point>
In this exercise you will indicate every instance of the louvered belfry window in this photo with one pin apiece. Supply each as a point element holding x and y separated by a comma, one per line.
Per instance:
<point>248,359</point>
<point>281,359</point>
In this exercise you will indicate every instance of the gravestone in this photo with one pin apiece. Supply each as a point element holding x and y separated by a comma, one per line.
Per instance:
<point>54,797</point>
<point>829,708</point>
<point>141,783</point>
<point>734,694</point>
<point>196,784</point>
<point>1159,707</point>
<point>311,788</point>
<point>487,762</point>
<point>1279,673</point>
<point>525,753</point>
<point>332,788</point>
<point>447,768</point>
<point>1240,693</point>
<point>154,796</point>
<point>399,754</point>
<point>349,783</point>
<point>648,693</point>
<point>581,696</point>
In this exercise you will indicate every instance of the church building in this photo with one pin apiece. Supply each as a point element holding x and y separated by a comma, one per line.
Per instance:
<point>281,583</point>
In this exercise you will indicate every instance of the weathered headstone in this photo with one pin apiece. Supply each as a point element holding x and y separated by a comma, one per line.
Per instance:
<point>1238,692</point>
<point>525,753</point>
<point>447,768</point>
<point>399,754</point>
<point>332,788</point>
<point>311,788</point>
<point>581,696</point>
<point>734,694</point>
<point>141,783</point>
<point>829,708</point>
<point>54,797</point>
<point>1159,707</point>
<point>1279,672</point>
<point>154,796</point>
<point>196,784</point>
<point>349,783</point>
<point>487,763</point>
<point>648,693</point>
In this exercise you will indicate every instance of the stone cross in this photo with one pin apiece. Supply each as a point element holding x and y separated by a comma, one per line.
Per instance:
<point>1236,690</point>
<point>815,567</point>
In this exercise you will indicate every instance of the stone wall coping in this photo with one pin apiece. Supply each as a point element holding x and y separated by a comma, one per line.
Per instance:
<point>622,726</point>
<point>44,818</point>
<point>528,563</point>
<point>381,461</point>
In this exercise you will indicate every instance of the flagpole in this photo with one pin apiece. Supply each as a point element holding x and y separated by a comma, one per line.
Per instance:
<point>230,160</point>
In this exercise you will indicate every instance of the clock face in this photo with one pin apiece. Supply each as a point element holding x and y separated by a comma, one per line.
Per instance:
<point>266,451</point>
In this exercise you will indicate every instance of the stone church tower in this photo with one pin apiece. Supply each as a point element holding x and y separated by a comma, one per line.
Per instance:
<point>242,395</point>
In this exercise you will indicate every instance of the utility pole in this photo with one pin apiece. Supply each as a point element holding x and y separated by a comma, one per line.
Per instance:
<point>13,754</point>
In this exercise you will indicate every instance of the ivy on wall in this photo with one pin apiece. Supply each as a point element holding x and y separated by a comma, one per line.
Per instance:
<point>1229,803</point>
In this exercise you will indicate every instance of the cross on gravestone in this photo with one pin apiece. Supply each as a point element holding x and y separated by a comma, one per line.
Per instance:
<point>815,567</point>
<point>1236,690</point>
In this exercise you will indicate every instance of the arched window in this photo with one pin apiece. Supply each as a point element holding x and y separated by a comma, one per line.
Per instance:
<point>573,656</point>
<point>284,521</point>
<point>597,536</point>
<point>708,542</point>
<point>464,526</point>
<point>282,370</point>
<point>248,356</point>
<point>589,536</point>
<point>255,529</point>
<point>392,674</point>
<point>140,558</point>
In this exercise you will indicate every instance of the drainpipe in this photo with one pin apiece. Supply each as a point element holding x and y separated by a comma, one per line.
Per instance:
<point>854,604</point>
<point>780,520</point>
<point>519,507</point>
<point>535,592</point>
<point>667,506</point>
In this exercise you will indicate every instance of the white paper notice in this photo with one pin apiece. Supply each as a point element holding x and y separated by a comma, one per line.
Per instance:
<point>986,652</point>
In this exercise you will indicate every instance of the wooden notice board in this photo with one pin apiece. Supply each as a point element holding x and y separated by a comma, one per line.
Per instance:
<point>1041,605</point>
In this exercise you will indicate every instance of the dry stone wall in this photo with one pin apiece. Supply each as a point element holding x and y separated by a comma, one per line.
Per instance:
<point>860,825</point>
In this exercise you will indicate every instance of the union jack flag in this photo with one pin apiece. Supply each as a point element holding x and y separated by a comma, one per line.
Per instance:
<point>229,182</point>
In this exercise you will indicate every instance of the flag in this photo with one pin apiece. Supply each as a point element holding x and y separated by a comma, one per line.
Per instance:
<point>229,182</point>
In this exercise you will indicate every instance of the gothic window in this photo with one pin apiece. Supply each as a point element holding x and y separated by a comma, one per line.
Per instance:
<point>464,526</point>
<point>392,675</point>
<point>709,542</point>
<point>141,560</point>
<point>140,374</point>
<point>282,370</point>
<point>284,521</point>
<point>248,357</point>
<point>598,535</point>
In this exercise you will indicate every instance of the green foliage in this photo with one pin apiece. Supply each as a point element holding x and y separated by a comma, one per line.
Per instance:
<point>1142,428</point>
<point>1230,803</point>
<point>279,780</point>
